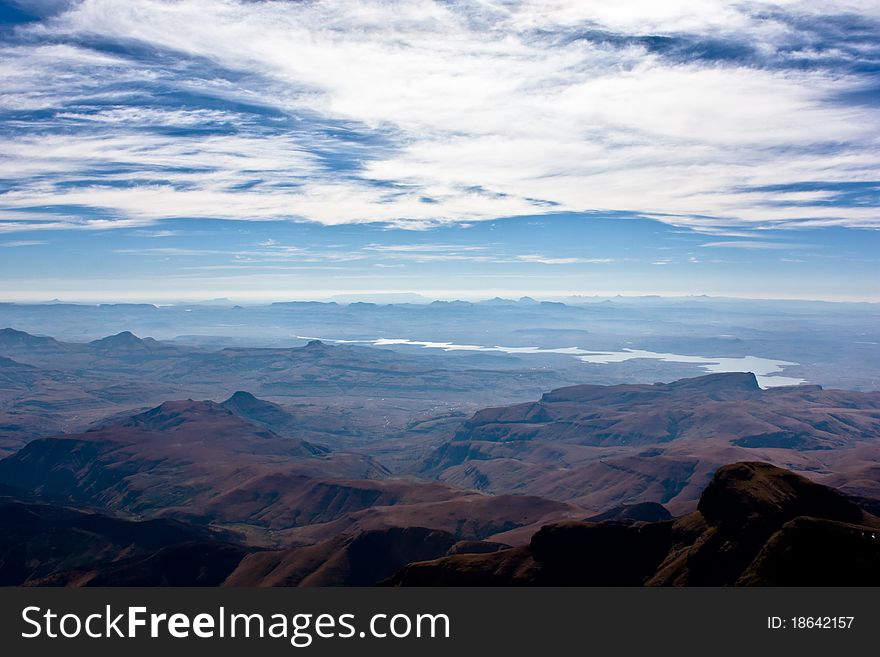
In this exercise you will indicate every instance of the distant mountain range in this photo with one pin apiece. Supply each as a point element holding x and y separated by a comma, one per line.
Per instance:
<point>832,344</point>
<point>338,395</point>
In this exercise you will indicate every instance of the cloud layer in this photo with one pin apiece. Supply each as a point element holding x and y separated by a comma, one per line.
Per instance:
<point>703,113</point>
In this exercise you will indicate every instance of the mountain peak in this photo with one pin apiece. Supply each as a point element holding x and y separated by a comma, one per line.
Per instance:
<point>756,524</point>
<point>173,413</point>
<point>122,338</point>
<point>741,492</point>
<point>316,346</point>
<point>720,382</point>
<point>18,343</point>
<point>247,405</point>
<point>11,332</point>
<point>127,341</point>
<point>11,335</point>
<point>240,396</point>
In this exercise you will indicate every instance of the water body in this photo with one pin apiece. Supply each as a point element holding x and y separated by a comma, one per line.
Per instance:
<point>765,369</point>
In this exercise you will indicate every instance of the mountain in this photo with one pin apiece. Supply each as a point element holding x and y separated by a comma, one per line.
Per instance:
<point>320,424</point>
<point>217,464</point>
<point>498,301</point>
<point>176,460</point>
<point>603,446</point>
<point>467,515</point>
<point>222,424</point>
<point>756,524</point>
<point>629,513</point>
<point>245,405</point>
<point>194,563</point>
<point>360,559</point>
<point>382,297</point>
<point>13,342</point>
<point>363,559</point>
<point>41,544</point>
<point>327,452</point>
<point>344,396</point>
<point>126,341</point>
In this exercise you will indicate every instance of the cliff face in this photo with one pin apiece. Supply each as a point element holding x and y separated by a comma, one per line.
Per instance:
<point>756,525</point>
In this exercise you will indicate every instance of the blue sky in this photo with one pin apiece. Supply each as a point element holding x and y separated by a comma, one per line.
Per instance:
<point>270,150</point>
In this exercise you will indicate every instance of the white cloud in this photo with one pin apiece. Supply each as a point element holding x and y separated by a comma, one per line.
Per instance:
<point>484,109</point>
<point>547,260</point>
<point>754,244</point>
<point>420,248</point>
<point>17,243</point>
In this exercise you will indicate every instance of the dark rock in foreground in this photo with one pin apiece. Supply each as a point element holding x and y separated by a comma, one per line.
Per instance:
<point>639,512</point>
<point>756,525</point>
<point>46,545</point>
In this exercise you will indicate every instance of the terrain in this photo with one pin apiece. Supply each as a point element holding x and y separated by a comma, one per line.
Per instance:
<point>212,459</point>
<point>829,344</point>
<point>51,545</point>
<point>599,446</point>
<point>201,462</point>
<point>341,395</point>
<point>756,525</point>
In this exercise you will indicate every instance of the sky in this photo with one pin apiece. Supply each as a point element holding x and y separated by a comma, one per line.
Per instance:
<point>161,151</point>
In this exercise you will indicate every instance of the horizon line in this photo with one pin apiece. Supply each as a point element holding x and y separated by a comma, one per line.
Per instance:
<point>415,298</point>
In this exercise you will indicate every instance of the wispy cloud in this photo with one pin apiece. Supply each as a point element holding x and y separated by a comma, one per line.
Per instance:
<point>423,248</point>
<point>754,244</point>
<point>17,243</point>
<point>265,252</point>
<point>548,260</point>
<point>156,233</point>
<point>705,113</point>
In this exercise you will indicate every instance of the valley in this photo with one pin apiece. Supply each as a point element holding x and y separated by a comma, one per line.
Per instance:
<point>341,463</point>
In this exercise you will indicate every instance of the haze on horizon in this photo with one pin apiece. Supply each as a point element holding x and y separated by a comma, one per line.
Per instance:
<point>157,151</point>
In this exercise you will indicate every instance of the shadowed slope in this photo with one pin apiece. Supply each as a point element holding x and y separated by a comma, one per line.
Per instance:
<point>757,524</point>
<point>360,560</point>
<point>44,545</point>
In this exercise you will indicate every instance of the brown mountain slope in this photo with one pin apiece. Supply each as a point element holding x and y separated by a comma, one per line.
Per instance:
<point>204,463</point>
<point>44,545</point>
<point>363,559</point>
<point>756,524</point>
<point>178,459</point>
<point>603,446</point>
<point>466,515</point>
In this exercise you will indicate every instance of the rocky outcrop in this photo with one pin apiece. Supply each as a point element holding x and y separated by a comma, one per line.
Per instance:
<point>757,524</point>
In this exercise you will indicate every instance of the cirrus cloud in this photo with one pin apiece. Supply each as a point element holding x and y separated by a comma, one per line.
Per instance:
<point>415,113</point>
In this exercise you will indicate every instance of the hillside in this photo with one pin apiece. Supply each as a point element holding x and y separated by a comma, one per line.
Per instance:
<point>602,446</point>
<point>756,525</point>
